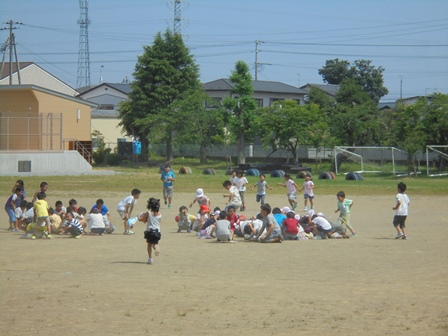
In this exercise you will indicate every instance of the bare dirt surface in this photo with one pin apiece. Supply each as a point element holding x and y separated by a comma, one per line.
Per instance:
<point>371,284</point>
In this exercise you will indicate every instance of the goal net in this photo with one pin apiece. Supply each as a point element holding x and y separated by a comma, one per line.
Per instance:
<point>436,160</point>
<point>389,160</point>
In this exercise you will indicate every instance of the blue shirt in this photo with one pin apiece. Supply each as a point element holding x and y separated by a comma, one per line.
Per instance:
<point>165,175</point>
<point>279,218</point>
<point>104,210</point>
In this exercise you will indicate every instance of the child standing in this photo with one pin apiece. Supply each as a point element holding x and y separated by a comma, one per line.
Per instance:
<point>41,217</point>
<point>168,177</point>
<point>308,192</point>
<point>401,211</point>
<point>261,185</point>
<point>10,208</point>
<point>125,208</point>
<point>344,207</point>
<point>152,233</point>
<point>291,186</point>
<point>43,188</point>
<point>241,185</point>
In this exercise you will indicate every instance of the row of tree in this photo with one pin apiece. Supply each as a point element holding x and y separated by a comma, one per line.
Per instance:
<point>167,105</point>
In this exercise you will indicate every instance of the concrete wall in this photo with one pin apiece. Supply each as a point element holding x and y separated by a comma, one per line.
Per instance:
<point>44,163</point>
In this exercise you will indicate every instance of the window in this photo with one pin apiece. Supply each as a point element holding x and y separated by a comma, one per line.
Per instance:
<point>108,107</point>
<point>259,102</point>
<point>215,104</point>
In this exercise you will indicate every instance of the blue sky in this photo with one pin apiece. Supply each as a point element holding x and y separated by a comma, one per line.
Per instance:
<point>409,38</point>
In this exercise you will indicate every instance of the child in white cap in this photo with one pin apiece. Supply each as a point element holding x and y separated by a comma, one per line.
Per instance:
<point>201,198</point>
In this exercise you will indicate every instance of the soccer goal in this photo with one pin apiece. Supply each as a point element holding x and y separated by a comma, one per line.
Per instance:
<point>372,160</point>
<point>436,160</point>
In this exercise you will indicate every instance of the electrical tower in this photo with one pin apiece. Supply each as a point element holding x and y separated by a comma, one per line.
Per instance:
<point>10,44</point>
<point>177,17</point>
<point>83,78</point>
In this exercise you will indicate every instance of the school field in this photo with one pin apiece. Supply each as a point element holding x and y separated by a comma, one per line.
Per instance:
<point>371,284</point>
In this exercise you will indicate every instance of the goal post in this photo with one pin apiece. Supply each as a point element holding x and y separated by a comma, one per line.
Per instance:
<point>436,160</point>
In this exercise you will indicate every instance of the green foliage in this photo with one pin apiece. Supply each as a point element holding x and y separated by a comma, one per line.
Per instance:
<point>434,110</point>
<point>242,107</point>
<point>362,72</point>
<point>102,152</point>
<point>319,97</point>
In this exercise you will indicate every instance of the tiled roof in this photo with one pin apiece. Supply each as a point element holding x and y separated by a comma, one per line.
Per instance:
<point>224,84</point>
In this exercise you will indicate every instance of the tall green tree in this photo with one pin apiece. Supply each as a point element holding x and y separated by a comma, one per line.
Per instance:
<point>164,74</point>
<point>288,125</point>
<point>369,77</point>
<point>241,107</point>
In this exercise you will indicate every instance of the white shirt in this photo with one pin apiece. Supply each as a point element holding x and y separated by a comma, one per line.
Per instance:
<point>241,183</point>
<point>322,223</point>
<point>404,206</point>
<point>96,221</point>
<point>128,200</point>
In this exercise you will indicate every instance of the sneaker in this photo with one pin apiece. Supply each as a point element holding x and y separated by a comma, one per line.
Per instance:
<point>14,230</point>
<point>78,236</point>
<point>49,236</point>
<point>165,201</point>
<point>179,231</point>
<point>305,209</point>
<point>33,237</point>
<point>404,237</point>
<point>149,261</point>
<point>354,234</point>
<point>130,232</point>
<point>294,206</point>
<point>399,235</point>
<point>169,206</point>
<point>10,229</point>
<point>188,231</point>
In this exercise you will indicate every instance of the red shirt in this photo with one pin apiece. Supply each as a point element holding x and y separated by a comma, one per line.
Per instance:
<point>290,225</point>
<point>233,220</point>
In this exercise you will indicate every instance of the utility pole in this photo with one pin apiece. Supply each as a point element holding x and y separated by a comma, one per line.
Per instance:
<point>177,29</point>
<point>83,78</point>
<point>11,43</point>
<point>256,58</point>
<point>401,87</point>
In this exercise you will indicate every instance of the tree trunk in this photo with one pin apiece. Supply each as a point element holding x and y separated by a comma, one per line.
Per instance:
<point>202,154</point>
<point>169,148</point>
<point>241,156</point>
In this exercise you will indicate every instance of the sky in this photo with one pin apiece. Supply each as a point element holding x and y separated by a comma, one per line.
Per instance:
<point>408,38</point>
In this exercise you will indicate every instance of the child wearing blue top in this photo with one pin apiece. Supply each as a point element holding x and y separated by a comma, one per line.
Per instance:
<point>167,178</point>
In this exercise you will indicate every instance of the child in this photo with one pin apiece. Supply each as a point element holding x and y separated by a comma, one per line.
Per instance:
<point>27,217</point>
<point>168,177</point>
<point>280,215</point>
<point>73,226</point>
<point>308,192</point>
<point>125,207</point>
<point>200,198</point>
<point>19,183</point>
<point>322,228</point>
<point>223,232</point>
<point>96,223</point>
<point>20,213</point>
<point>43,188</point>
<point>241,185</point>
<point>201,218</point>
<point>82,212</point>
<point>104,211</point>
<point>41,217</point>
<point>234,178</point>
<point>291,186</point>
<point>60,210</point>
<point>344,207</point>
<point>290,226</point>
<point>273,233</point>
<point>10,208</point>
<point>401,211</point>
<point>261,185</point>
<point>74,205</point>
<point>184,219</point>
<point>152,233</point>
<point>55,220</point>
<point>209,226</point>
<point>233,220</point>
<point>233,195</point>
<point>252,228</point>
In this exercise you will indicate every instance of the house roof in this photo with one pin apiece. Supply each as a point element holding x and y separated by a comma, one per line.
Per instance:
<point>330,89</point>
<point>224,84</point>
<point>105,114</point>
<point>44,90</point>
<point>386,105</point>
<point>124,88</point>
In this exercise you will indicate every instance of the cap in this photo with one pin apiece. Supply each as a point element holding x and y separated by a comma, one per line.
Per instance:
<point>320,214</point>
<point>204,208</point>
<point>216,213</point>
<point>297,216</point>
<point>286,209</point>
<point>199,192</point>
<point>310,213</point>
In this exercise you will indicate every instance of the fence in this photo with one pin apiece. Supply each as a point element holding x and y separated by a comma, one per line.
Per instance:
<point>21,131</point>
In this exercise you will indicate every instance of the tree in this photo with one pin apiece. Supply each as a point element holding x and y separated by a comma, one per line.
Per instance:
<point>203,125</point>
<point>241,107</point>
<point>288,125</point>
<point>164,74</point>
<point>406,131</point>
<point>354,120</point>
<point>319,97</point>
<point>362,72</point>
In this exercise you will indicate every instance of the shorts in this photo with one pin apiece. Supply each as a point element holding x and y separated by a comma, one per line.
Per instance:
<point>11,214</point>
<point>223,237</point>
<point>242,195</point>
<point>292,196</point>
<point>42,221</point>
<point>122,214</point>
<point>98,230</point>
<point>306,196</point>
<point>74,231</point>
<point>261,198</point>
<point>274,234</point>
<point>290,236</point>
<point>152,236</point>
<point>167,192</point>
<point>399,220</point>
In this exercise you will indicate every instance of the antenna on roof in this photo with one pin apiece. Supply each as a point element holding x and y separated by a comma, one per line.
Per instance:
<point>10,44</point>
<point>83,52</point>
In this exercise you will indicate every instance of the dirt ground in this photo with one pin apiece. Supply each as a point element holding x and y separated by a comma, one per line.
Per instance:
<point>371,284</point>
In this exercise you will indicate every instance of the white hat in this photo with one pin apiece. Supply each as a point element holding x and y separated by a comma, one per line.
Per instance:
<point>297,216</point>
<point>216,213</point>
<point>310,212</point>
<point>286,209</point>
<point>320,214</point>
<point>199,192</point>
